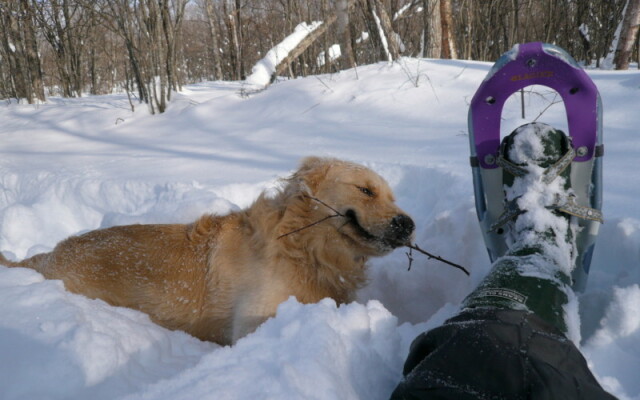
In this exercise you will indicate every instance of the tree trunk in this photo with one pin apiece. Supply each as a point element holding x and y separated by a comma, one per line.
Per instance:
<point>239,38</point>
<point>630,25</point>
<point>31,52</point>
<point>432,29</point>
<point>19,47</point>
<point>344,33</point>
<point>392,37</point>
<point>12,49</point>
<point>302,46</point>
<point>381,31</point>
<point>215,51</point>
<point>449,49</point>
<point>234,44</point>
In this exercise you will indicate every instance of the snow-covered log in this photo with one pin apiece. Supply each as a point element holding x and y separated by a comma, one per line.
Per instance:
<point>277,59</point>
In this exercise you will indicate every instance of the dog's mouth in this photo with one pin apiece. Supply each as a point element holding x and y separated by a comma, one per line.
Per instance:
<point>353,221</point>
<point>397,234</point>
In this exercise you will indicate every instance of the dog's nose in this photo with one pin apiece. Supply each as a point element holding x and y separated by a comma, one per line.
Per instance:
<point>402,226</point>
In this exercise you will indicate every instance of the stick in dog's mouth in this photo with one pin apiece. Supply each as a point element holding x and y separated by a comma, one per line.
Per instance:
<point>353,220</point>
<point>350,215</point>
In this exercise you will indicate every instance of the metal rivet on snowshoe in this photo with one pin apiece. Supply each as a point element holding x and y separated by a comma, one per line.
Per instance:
<point>490,100</point>
<point>490,159</point>
<point>582,151</point>
<point>532,62</point>
<point>573,90</point>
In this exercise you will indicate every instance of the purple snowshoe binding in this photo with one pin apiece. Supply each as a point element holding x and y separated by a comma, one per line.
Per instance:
<point>548,65</point>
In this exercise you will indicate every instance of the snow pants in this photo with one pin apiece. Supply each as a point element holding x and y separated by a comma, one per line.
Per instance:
<point>485,353</point>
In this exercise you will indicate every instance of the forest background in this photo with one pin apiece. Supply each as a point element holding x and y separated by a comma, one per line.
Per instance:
<point>150,48</point>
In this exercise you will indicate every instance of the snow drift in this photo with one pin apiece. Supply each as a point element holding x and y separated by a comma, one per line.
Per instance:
<point>71,165</point>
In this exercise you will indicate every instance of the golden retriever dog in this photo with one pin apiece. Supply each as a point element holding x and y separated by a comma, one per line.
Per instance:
<point>219,277</point>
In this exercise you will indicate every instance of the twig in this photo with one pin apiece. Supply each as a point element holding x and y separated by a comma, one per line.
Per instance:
<point>325,85</point>
<point>415,247</point>
<point>409,245</point>
<point>326,205</point>
<point>309,226</point>
<point>410,257</point>
<point>337,214</point>
<point>552,103</point>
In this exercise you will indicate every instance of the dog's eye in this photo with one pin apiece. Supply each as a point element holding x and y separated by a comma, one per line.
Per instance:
<point>366,191</point>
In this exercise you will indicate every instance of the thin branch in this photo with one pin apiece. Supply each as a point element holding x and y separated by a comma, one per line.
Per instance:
<point>553,102</point>
<point>309,226</point>
<point>415,247</point>
<point>326,205</point>
<point>409,245</point>
<point>409,255</point>
<point>337,214</point>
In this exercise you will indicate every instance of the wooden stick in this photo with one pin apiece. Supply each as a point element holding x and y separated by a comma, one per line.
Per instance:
<point>415,247</point>
<point>309,226</point>
<point>409,245</point>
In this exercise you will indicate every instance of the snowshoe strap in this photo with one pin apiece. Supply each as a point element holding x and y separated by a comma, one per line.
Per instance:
<point>549,175</point>
<point>572,208</point>
<point>512,210</point>
<point>510,167</point>
<point>568,206</point>
<point>558,168</point>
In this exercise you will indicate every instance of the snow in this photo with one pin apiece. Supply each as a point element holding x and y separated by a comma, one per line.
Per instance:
<point>265,68</point>
<point>584,31</point>
<point>532,194</point>
<point>333,53</point>
<point>72,165</point>
<point>364,36</point>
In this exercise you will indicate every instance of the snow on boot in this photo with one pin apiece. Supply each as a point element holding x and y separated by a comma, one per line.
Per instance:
<point>546,65</point>
<point>539,224</point>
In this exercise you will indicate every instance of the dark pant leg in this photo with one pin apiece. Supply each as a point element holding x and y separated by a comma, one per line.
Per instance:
<point>496,354</point>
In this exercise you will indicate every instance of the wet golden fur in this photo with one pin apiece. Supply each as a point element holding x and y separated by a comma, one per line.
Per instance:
<point>221,276</point>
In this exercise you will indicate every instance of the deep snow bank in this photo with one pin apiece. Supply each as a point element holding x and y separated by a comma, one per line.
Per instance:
<point>76,164</point>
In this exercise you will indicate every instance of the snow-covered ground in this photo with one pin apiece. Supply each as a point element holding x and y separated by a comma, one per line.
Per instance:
<point>72,165</point>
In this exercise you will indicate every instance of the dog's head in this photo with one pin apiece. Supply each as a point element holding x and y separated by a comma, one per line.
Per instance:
<point>369,220</point>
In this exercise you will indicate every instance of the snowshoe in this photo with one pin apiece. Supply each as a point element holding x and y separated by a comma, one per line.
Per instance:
<point>547,65</point>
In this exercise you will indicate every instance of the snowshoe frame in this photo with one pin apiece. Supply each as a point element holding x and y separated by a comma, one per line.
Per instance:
<point>548,65</point>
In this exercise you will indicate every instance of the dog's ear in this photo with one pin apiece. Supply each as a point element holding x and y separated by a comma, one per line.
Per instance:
<point>312,170</point>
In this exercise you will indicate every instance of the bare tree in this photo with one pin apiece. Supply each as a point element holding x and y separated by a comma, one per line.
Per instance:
<point>380,29</point>
<point>344,32</point>
<point>63,23</point>
<point>21,70</point>
<point>212,24</point>
<point>151,47</point>
<point>432,32</point>
<point>628,35</point>
<point>150,30</point>
<point>233,21</point>
<point>449,48</point>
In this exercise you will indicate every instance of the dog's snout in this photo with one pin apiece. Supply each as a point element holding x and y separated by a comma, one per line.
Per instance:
<point>402,226</point>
